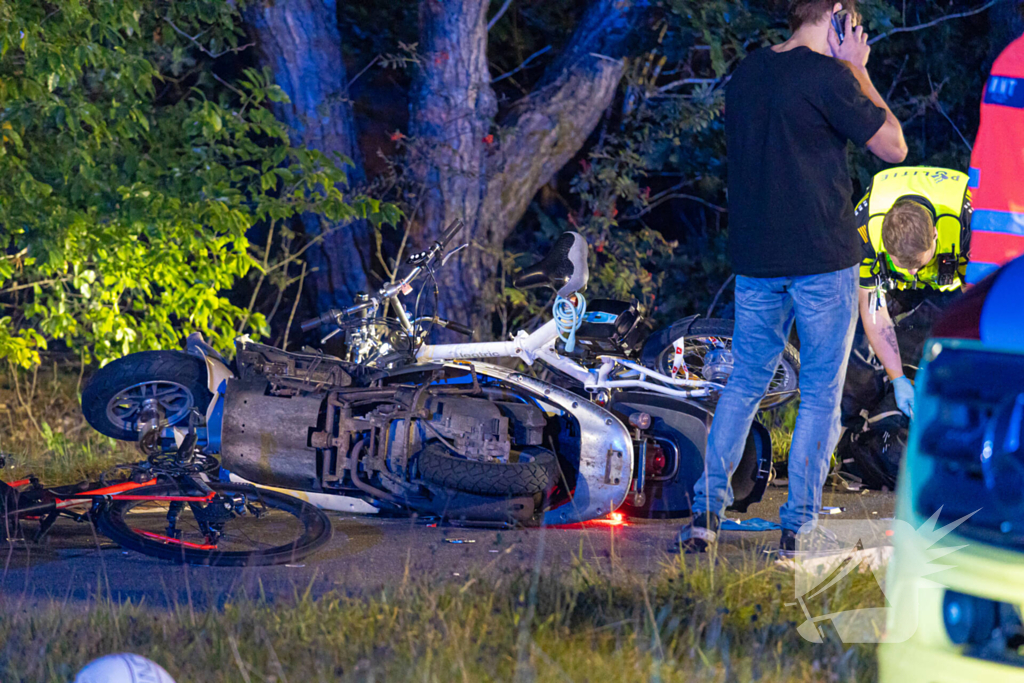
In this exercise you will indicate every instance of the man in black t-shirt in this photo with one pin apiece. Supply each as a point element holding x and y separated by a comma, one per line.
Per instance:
<point>791,110</point>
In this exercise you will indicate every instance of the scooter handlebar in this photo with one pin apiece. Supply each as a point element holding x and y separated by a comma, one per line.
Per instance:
<point>327,318</point>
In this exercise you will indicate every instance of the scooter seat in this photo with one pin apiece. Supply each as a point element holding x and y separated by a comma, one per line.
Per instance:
<point>564,269</point>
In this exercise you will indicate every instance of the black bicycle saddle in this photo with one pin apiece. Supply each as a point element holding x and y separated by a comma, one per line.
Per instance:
<point>564,269</point>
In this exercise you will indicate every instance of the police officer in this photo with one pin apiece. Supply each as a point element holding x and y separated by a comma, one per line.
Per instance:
<point>914,224</point>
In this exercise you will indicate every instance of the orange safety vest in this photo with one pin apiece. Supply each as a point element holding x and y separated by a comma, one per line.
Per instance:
<point>997,167</point>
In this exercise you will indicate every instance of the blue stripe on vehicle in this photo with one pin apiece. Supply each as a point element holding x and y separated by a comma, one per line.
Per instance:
<point>976,272</point>
<point>989,220</point>
<point>600,317</point>
<point>1005,91</point>
<point>972,177</point>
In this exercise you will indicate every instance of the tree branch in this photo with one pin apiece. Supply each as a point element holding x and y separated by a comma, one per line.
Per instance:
<point>896,80</point>
<point>942,110</point>
<point>522,66</point>
<point>499,15</point>
<point>195,41</point>
<point>935,22</point>
<point>363,70</point>
<point>548,126</point>
<point>687,81</point>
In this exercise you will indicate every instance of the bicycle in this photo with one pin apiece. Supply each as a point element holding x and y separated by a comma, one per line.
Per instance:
<point>171,506</point>
<point>691,359</point>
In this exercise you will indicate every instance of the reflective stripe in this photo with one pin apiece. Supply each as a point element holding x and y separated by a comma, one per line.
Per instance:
<point>1005,91</point>
<point>990,220</point>
<point>976,272</point>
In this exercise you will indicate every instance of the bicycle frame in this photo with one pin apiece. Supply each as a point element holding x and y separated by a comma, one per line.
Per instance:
<point>125,491</point>
<point>613,373</point>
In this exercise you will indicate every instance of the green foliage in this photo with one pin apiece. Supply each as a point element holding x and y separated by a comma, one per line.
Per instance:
<point>130,173</point>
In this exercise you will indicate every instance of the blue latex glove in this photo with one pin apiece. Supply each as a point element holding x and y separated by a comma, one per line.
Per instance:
<point>904,395</point>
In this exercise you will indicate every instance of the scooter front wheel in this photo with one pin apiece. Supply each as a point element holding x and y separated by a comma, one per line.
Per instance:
<point>113,398</point>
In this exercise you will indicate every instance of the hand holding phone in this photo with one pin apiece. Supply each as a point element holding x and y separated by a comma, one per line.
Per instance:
<point>847,42</point>
<point>839,24</point>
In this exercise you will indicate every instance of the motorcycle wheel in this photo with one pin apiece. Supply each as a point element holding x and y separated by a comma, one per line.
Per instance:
<point>113,397</point>
<point>704,335</point>
<point>523,478</point>
<point>276,528</point>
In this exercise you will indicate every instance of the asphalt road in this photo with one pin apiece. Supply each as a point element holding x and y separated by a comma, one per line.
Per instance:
<point>368,553</point>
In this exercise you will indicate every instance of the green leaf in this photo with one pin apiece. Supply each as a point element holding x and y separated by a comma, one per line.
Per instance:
<point>392,214</point>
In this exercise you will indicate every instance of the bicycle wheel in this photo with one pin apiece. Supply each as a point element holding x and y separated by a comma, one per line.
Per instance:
<point>241,526</point>
<point>707,353</point>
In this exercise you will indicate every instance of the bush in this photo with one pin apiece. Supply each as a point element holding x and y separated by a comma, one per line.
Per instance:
<point>130,173</point>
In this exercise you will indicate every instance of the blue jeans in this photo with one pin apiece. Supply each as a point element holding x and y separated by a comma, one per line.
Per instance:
<point>824,308</point>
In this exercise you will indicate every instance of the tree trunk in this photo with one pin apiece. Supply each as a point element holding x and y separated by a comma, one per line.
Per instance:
<point>489,182</point>
<point>299,40</point>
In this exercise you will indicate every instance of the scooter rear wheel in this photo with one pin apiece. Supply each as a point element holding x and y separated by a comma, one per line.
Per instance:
<point>533,473</point>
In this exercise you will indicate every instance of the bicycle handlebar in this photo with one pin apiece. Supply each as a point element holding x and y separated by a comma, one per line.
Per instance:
<point>439,246</point>
<point>314,323</point>
<point>446,324</point>
<point>459,327</point>
<point>450,232</point>
<point>334,316</point>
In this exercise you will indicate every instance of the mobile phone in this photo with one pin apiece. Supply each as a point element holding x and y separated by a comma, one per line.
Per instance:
<point>839,23</point>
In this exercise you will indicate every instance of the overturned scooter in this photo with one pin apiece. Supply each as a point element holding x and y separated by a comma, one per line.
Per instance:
<point>462,440</point>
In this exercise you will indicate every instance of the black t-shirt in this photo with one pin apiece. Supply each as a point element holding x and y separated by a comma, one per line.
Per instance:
<point>788,116</point>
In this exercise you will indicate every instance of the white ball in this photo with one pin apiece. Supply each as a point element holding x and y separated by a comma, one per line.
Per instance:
<point>123,668</point>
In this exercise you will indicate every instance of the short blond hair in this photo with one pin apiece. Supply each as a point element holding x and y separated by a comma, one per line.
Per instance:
<point>908,232</point>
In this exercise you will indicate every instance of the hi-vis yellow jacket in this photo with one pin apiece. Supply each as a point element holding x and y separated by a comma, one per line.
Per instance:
<point>943,192</point>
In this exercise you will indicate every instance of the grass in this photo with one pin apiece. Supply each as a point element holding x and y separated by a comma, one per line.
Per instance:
<point>780,423</point>
<point>42,430</point>
<point>688,623</point>
<point>707,620</point>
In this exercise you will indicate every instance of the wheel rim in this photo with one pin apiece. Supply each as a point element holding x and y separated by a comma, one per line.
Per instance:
<point>175,399</point>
